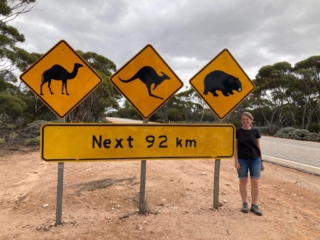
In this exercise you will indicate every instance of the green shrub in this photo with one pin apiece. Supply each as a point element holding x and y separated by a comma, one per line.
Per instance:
<point>297,134</point>
<point>314,128</point>
<point>263,130</point>
<point>32,141</point>
<point>11,126</point>
<point>315,137</point>
<point>300,134</point>
<point>237,124</point>
<point>285,132</point>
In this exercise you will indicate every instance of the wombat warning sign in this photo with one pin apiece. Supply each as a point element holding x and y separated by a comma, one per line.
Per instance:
<point>222,84</point>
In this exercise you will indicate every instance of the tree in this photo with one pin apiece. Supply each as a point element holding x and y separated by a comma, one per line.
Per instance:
<point>307,88</point>
<point>12,106</point>
<point>191,104</point>
<point>313,64</point>
<point>272,83</point>
<point>9,36</point>
<point>103,98</point>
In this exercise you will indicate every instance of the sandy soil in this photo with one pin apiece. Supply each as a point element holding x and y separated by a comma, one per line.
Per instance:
<point>100,201</point>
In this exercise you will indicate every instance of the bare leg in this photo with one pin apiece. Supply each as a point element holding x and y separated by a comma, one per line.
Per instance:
<point>243,189</point>
<point>254,190</point>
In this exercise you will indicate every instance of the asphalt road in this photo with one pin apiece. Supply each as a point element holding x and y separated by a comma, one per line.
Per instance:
<point>302,155</point>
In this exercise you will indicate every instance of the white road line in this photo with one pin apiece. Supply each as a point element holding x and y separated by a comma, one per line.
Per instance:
<point>315,149</point>
<point>283,160</point>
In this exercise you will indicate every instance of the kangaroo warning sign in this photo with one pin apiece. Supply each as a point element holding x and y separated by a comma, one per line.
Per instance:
<point>222,84</point>
<point>146,81</point>
<point>61,79</point>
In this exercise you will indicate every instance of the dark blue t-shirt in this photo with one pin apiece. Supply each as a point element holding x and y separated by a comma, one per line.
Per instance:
<point>247,143</point>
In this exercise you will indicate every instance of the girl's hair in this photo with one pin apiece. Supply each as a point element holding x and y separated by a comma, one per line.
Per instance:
<point>247,114</point>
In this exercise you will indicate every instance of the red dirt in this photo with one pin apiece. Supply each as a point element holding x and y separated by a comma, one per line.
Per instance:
<point>100,201</point>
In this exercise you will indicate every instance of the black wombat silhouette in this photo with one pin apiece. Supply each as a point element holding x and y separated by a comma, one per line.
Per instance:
<point>219,80</point>
<point>57,72</point>
<point>148,76</point>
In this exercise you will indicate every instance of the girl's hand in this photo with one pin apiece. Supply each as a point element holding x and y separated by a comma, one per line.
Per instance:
<point>237,165</point>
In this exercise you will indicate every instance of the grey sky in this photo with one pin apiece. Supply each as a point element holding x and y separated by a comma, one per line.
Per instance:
<point>186,33</point>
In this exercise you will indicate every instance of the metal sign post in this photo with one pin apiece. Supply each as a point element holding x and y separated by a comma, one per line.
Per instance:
<point>142,199</point>
<point>216,180</point>
<point>216,183</point>
<point>59,193</point>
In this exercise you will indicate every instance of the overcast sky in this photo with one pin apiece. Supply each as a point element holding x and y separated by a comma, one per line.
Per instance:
<point>186,33</point>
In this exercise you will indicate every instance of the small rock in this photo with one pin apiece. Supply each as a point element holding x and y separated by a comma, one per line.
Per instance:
<point>45,205</point>
<point>204,173</point>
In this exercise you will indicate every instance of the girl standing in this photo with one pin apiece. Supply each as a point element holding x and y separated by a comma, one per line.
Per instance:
<point>248,159</point>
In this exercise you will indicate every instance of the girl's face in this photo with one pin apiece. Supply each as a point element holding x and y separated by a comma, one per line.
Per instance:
<point>246,122</point>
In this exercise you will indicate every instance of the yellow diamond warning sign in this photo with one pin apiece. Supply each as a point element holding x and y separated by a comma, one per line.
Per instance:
<point>61,79</point>
<point>223,84</point>
<point>146,81</point>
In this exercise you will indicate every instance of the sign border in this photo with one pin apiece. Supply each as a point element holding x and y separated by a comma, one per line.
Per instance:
<point>133,124</point>
<point>128,62</point>
<point>82,99</point>
<point>236,105</point>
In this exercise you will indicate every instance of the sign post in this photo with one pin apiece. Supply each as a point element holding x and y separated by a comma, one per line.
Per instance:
<point>59,193</point>
<point>142,200</point>
<point>216,183</point>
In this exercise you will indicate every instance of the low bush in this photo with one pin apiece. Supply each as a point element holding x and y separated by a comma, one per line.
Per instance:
<point>11,126</point>
<point>32,141</point>
<point>297,134</point>
<point>314,128</point>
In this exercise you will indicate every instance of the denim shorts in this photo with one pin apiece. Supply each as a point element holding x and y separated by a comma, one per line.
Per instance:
<point>253,165</point>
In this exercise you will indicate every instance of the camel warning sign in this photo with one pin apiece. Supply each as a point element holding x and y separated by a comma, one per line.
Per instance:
<point>146,81</point>
<point>222,84</point>
<point>61,79</point>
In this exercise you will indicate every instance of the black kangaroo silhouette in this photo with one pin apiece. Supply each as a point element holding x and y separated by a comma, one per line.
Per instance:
<point>57,72</point>
<point>148,76</point>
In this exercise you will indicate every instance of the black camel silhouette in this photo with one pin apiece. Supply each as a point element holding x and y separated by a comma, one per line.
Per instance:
<point>57,72</point>
<point>148,76</point>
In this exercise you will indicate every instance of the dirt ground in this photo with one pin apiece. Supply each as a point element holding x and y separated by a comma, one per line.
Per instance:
<point>100,201</point>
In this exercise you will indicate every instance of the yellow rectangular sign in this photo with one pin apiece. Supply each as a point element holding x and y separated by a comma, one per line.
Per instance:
<point>106,142</point>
